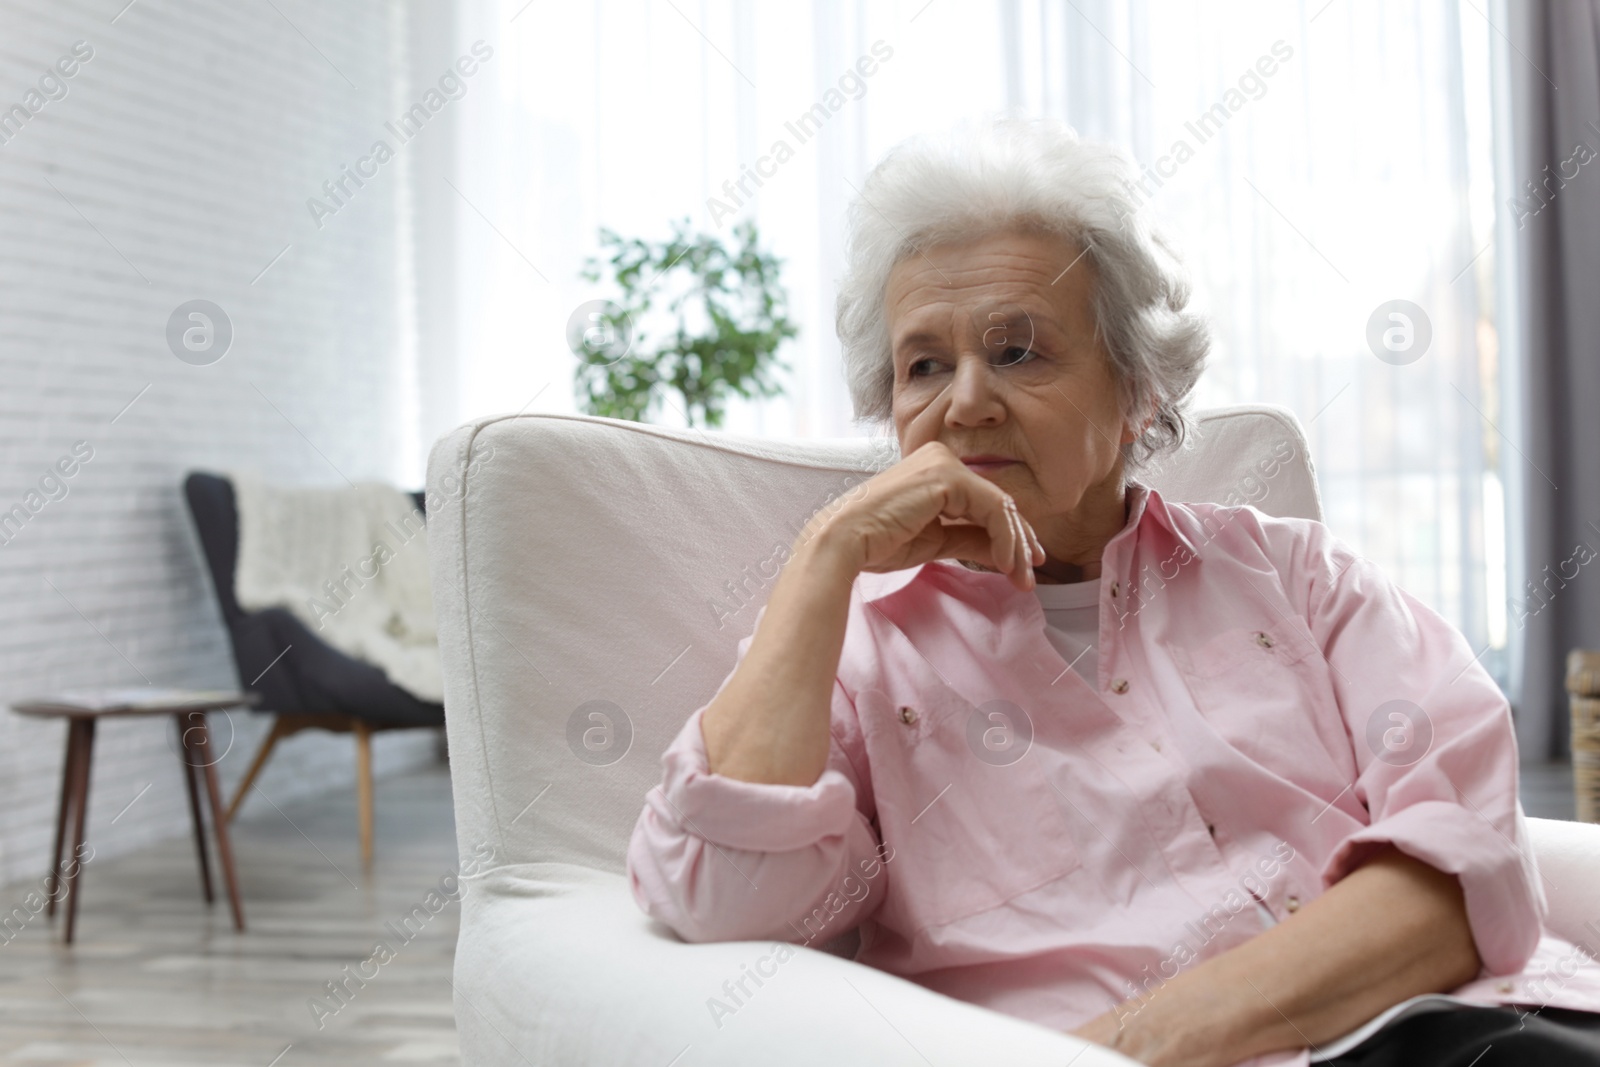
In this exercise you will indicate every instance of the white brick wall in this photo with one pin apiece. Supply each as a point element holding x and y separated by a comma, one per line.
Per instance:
<point>184,152</point>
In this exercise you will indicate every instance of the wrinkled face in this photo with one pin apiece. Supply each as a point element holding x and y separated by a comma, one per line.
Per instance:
<point>995,353</point>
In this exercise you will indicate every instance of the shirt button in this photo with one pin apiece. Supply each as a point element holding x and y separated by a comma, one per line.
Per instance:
<point>1119,686</point>
<point>908,714</point>
<point>1506,987</point>
<point>1292,904</point>
<point>1114,586</point>
<point>1211,828</point>
<point>1156,745</point>
<point>1263,640</point>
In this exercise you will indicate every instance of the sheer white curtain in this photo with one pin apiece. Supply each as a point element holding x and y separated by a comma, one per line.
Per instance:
<point>633,113</point>
<point>1319,162</point>
<point>1339,157</point>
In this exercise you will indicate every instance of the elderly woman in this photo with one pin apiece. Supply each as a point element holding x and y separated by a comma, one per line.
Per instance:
<point>1183,779</point>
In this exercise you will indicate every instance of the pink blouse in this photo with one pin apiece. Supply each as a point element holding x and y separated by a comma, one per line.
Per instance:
<point>1269,710</point>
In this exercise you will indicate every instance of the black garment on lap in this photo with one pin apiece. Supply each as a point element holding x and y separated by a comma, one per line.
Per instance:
<point>1482,1037</point>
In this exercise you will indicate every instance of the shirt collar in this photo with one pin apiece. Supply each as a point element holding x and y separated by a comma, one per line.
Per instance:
<point>1145,506</point>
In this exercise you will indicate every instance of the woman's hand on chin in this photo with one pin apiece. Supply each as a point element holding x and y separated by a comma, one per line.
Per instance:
<point>931,506</point>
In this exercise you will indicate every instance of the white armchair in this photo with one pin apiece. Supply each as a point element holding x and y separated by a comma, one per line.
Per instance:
<point>592,579</point>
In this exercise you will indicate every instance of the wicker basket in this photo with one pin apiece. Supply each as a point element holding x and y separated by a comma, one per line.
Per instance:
<point>1583,687</point>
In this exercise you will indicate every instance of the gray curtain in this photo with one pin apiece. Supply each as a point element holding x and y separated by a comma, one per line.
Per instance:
<point>1555,100</point>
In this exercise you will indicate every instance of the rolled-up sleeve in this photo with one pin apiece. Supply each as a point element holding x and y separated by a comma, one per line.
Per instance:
<point>1435,747</point>
<point>721,859</point>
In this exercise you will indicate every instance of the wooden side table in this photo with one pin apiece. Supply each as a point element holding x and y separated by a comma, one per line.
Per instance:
<point>82,709</point>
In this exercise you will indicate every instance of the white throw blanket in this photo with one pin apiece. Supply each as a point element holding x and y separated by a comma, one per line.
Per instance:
<point>349,562</point>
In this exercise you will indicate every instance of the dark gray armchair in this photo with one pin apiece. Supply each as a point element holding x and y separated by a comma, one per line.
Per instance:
<point>302,682</point>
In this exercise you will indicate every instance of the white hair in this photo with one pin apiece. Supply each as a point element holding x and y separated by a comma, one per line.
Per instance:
<point>1008,174</point>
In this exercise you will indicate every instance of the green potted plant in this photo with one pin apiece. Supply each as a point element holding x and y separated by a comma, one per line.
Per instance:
<point>692,316</point>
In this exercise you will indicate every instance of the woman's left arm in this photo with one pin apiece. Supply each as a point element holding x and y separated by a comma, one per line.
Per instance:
<point>1393,928</point>
<point>1433,881</point>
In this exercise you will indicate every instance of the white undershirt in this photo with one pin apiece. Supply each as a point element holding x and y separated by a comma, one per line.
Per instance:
<point>1072,623</point>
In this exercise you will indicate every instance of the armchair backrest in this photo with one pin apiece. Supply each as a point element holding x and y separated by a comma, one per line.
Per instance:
<point>214,510</point>
<point>216,522</point>
<point>592,584</point>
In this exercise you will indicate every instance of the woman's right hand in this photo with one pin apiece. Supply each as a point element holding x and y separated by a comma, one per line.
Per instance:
<point>930,506</point>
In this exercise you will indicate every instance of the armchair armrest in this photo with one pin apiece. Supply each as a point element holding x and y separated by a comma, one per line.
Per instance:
<point>556,964</point>
<point>1568,854</point>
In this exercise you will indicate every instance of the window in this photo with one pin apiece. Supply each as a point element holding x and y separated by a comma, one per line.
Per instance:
<point>1316,163</point>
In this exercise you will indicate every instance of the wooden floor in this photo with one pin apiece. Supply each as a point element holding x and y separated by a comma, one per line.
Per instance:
<point>156,978</point>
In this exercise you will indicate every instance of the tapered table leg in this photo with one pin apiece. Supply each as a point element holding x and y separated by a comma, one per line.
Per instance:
<point>80,791</point>
<point>364,789</point>
<point>68,765</point>
<point>191,772</point>
<point>201,739</point>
